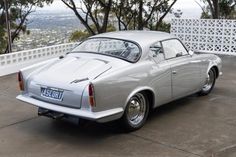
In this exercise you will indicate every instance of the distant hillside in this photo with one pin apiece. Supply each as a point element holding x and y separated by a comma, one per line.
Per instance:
<point>53,20</point>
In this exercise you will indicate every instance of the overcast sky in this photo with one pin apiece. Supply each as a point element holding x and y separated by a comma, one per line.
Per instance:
<point>189,8</point>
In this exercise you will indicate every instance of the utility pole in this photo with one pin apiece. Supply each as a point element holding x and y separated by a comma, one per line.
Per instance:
<point>8,25</point>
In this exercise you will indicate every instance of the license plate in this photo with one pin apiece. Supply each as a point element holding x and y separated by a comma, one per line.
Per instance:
<point>52,93</point>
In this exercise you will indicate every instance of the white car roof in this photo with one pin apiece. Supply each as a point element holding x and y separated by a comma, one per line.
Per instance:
<point>143,38</point>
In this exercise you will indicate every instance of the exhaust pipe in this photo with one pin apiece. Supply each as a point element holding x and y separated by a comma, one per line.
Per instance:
<point>50,114</point>
<point>42,112</point>
<point>57,115</point>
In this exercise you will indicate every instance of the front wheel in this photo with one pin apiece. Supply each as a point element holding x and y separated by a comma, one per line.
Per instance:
<point>210,82</point>
<point>136,112</point>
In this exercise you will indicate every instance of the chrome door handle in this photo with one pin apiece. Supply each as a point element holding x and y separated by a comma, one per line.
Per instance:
<point>174,72</point>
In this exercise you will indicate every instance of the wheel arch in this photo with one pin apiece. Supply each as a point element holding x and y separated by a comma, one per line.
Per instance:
<point>215,68</point>
<point>216,64</point>
<point>149,92</point>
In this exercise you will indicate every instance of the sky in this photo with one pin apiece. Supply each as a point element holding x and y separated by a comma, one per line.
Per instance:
<point>189,8</point>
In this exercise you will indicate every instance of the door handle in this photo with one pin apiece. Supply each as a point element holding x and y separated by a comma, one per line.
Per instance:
<point>174,72</point>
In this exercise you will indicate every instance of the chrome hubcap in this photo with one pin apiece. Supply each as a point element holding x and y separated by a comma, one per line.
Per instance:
<point>136,109</point>
<point>209,81</point>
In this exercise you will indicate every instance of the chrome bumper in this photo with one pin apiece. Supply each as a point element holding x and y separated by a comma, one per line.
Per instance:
<point>102,116</point>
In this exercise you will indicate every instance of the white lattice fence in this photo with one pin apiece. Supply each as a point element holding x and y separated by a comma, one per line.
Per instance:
<point>206,35</point>
<point>10,63</point>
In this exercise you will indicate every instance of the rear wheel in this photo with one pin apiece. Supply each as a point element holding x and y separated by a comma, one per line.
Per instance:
<point>210,82</point>
<point>136,112</point>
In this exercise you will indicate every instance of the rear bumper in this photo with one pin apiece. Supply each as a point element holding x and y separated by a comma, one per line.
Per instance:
<point>102,116</point>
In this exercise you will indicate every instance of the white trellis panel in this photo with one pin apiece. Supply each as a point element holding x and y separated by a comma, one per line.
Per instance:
<point>11,63</point>
<point>206,35</point>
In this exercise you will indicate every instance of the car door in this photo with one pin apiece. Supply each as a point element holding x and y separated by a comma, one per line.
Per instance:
<point>185,71</point>
<point>161,75</point>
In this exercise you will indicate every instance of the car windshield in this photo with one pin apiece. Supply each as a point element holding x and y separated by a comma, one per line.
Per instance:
<point>123,49</point>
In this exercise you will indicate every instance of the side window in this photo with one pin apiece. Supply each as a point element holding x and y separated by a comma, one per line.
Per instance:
<point>173,48</point>
<point>156,52</point>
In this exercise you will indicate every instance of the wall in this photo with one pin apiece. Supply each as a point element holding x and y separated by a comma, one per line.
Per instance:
<point>206,35</point>
<point>13,62</point>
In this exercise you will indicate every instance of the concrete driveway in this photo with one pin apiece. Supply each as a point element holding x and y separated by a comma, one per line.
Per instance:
<point>190,127</point>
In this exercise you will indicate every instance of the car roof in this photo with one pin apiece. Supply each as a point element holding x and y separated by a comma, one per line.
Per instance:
<point>143,38</point>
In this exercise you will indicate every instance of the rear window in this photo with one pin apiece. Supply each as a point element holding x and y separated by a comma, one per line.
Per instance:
<point>123,49</point>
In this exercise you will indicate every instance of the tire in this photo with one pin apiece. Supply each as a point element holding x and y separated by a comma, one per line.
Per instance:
<point>210,83</point>
<point>136,112</point>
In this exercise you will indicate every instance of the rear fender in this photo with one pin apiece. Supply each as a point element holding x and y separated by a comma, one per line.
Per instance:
<point>30,70</point>
<point>26,72</point>
<point>137,90</point>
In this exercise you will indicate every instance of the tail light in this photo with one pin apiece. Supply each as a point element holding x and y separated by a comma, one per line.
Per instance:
<point>20,80</point>
<point>91,95</point>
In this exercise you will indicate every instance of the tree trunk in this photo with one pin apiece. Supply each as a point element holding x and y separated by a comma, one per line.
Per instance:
<point>140,15</point>
<point>74,9</point>
<point>216,9</point>
<point>163,16</point>
<point>107,10</point>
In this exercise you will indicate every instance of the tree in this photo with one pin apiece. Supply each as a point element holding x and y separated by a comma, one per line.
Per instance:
<point>19,11</point>
<point>125,12</point>
<point>216,9</point>
<point>83,34</point>
<point>227,9</point>
<point>95,12</point>
<point>134,14</point>
<point>130,14</point>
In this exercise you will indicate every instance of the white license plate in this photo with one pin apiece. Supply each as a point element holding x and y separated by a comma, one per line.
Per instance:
<point>52,93</point>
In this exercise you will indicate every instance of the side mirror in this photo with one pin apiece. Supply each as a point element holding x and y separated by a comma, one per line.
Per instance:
<point>191,52</point>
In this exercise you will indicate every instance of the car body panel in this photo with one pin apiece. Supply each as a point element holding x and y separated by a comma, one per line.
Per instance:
<point>185,75</point>
<point>102,116</point>
<point>115,80</point>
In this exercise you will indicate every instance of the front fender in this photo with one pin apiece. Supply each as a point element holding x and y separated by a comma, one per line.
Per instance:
<point>215,62</point>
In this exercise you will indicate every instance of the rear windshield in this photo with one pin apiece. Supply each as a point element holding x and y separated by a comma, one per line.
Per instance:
<point>123,49</point>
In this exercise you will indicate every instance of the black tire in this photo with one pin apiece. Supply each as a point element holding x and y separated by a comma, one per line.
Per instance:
<point>207,88</point>
<point>140,108</point>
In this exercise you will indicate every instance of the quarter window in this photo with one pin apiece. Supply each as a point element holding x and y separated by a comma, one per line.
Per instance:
<point>156,52</point>
<point>173,48</point>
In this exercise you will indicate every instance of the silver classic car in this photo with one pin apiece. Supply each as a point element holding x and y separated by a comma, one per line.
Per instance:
<point>118,75</point>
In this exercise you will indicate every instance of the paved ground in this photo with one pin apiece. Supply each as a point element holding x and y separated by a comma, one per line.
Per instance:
<point>190,127</point>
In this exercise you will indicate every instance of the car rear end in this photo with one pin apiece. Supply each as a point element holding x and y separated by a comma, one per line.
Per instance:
<point>62,93</point>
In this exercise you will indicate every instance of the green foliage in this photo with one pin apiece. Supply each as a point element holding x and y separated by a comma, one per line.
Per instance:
<point>205,15</point>
<point>3,40</point>
<point>227,9</point>
<point>79,35</point>
<point>128,14</point>
<point>221,9</point>
<point>133,14</point>
<point>83,34</point>
<point>165,27</point>
<point>111,28</point>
